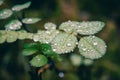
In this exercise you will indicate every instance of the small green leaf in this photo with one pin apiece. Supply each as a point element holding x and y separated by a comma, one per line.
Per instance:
<point>50,26</point>
<point>13,25</point>
<point>30,20</point>
<point>63,43</point>
<point>2,36</point>
<point>29,51</point>
<point>47,49</point>
<point>92,47</point>
<point>21,6</point>
<point>45,36</point>
<point>89,27</point>
<point>39,60</point>
<point>5,13</point>
<point>11,36</point>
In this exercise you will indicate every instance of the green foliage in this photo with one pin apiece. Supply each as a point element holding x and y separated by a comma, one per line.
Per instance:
<point>38,61</point>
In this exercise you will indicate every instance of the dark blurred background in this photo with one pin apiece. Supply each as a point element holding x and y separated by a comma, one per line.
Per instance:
<point>13,66</point>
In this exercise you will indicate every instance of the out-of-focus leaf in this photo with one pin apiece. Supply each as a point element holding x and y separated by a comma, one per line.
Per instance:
<point>92,47</point>
<point>22,34</point>
<point>1,2</point>
<point>13,25</point>
<point>63,43</point>
<point>21,6</point>
<point>30,20</point>
<point>5,13</point>
<point>38,61</point>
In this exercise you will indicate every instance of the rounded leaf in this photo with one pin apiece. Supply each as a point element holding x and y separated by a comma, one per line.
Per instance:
<point>11,36</point>
<point>69,26</point>
<point>2,36</point>
<point>29,51</point>
<point>63,43</point>
<point>92,47</point>
<point>45,36</point>
<point>38,61</point>
<point>21,6</point>
<point>13,25</point>
<point>30,20</point>
<point>50,26</point>
<point>89,27</point>
<point>5,13</point>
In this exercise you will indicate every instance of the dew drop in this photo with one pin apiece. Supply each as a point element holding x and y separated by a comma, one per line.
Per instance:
<point>69,44</point>
<point>84,49</point>
<point>95,43</point>
<point>61,74</point>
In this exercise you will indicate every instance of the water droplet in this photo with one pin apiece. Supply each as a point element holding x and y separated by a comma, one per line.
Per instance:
<point>69,44</point>
<point>54,49</point>
<point>95,43</point>
<point>84,49</point>
<point>61,74</point>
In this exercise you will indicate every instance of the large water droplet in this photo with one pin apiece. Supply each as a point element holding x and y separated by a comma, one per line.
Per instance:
<point>95,43</point>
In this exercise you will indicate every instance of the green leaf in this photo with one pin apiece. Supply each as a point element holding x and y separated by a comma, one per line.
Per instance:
<point>89,27</point>
<point>45,36</point>
<point>11,36</point>
<point>39,60</point>
<point>50,26</point>
<point>13,25</point>
<point>47,49</point>
<point>2,36</point>
<point>69,26</point>
<point>29,51</point>
<point>30,20</point>
<point>63,43</point>
<point>21,6</point>
<point>92,47</point>
<point>5,13</point>
<point>30,45</point>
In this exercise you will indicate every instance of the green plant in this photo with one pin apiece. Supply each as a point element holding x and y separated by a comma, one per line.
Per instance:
<point>48,44</point>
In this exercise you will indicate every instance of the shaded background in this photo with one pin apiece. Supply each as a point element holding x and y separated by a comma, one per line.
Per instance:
<point>13,66</point>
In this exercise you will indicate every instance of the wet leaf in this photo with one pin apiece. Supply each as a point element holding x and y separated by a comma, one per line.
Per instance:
<point>92,47</point>
<point>63,43</point>
<point>20,7</point>
<point>38,61</point>
<point>50,26</point>
<point>13,25</point>
<point>5,13</point>
<point>89,27</point>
